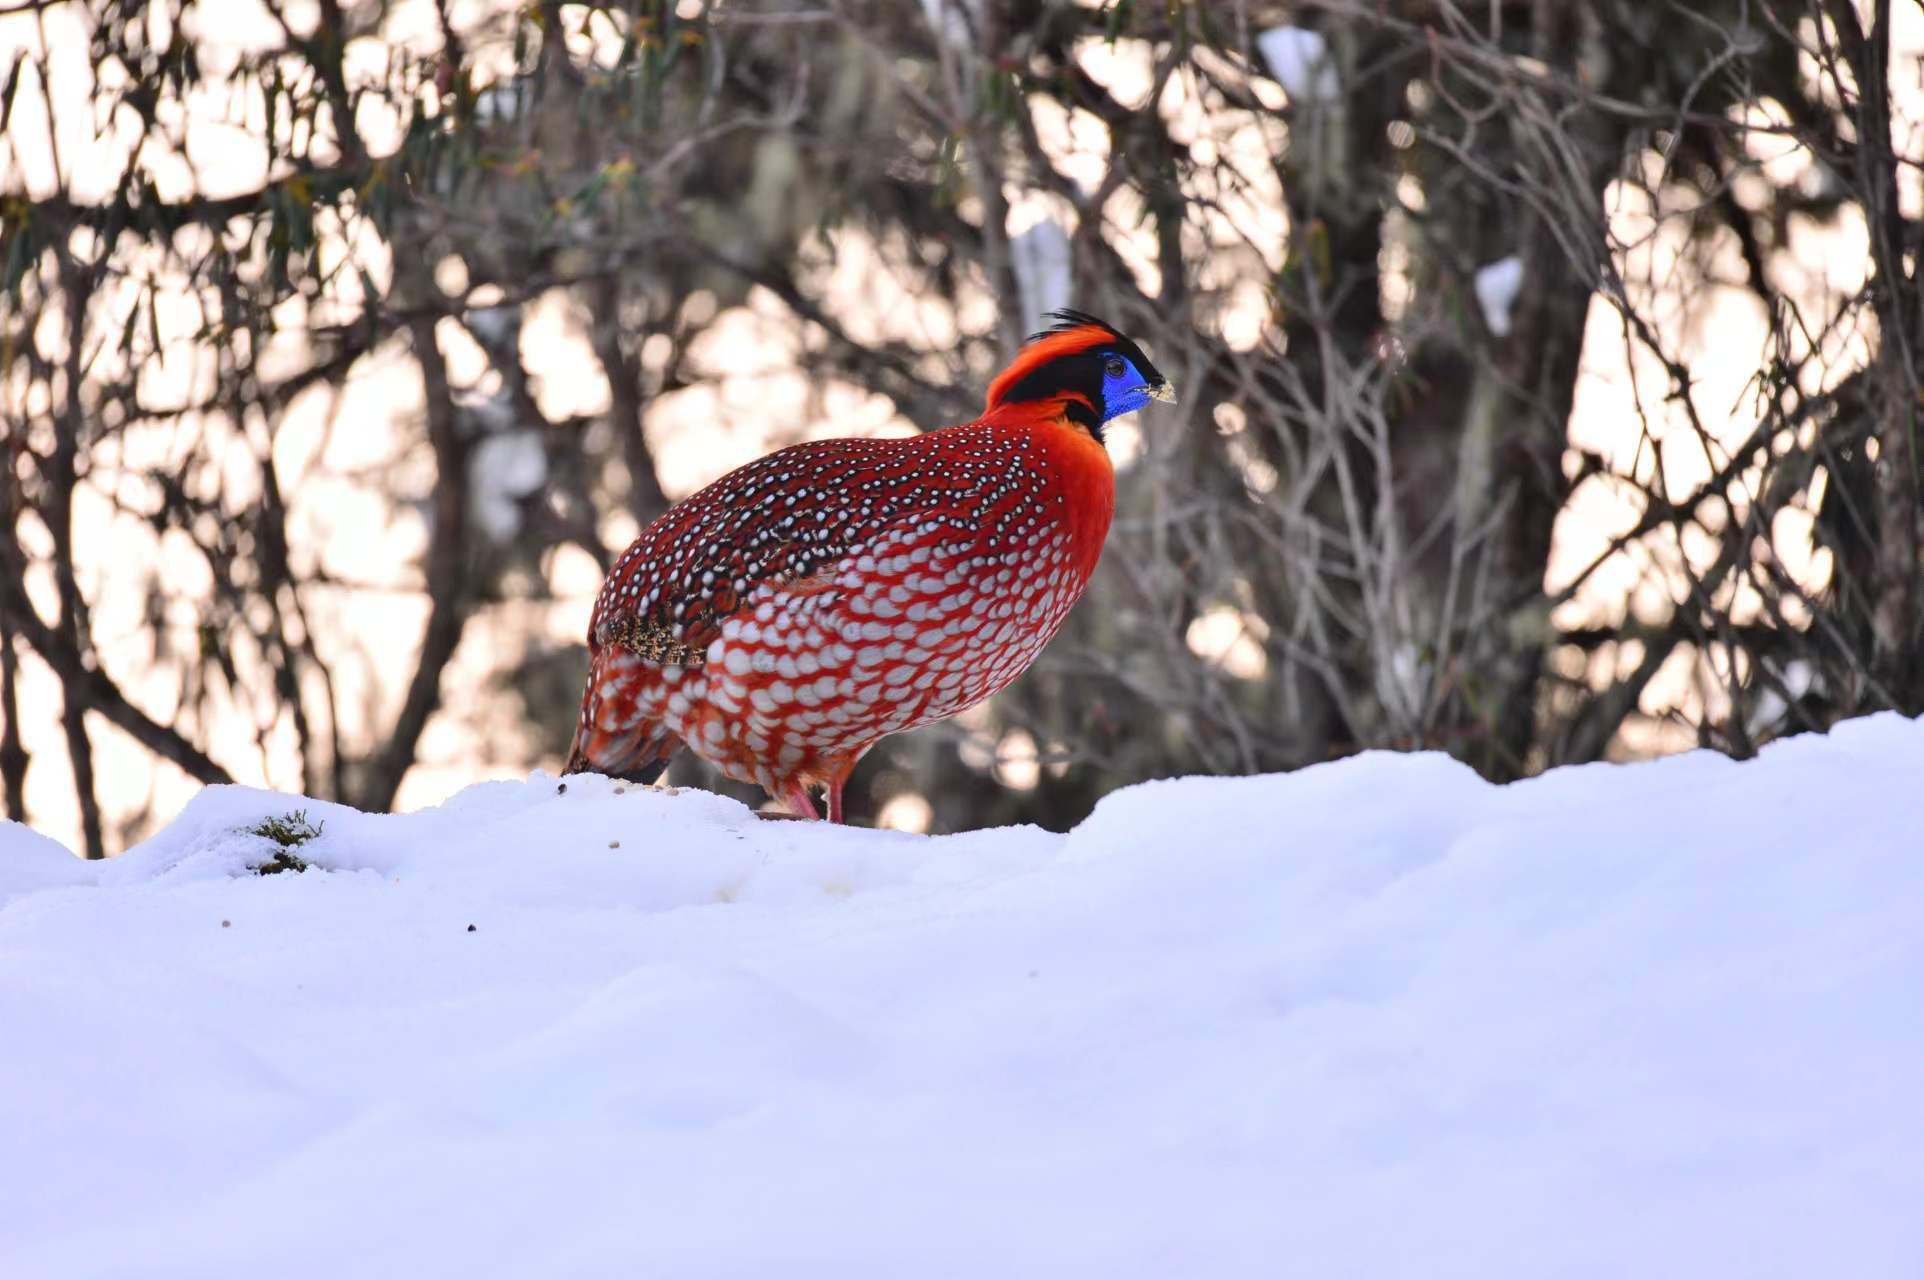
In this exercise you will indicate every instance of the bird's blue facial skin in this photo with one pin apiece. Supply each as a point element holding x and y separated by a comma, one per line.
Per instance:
<point>1124,390</point>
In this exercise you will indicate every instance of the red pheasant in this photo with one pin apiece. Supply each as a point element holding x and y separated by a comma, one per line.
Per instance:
<point>798,610</point>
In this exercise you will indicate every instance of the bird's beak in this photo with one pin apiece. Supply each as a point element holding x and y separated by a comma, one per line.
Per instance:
<point>1164,392</point>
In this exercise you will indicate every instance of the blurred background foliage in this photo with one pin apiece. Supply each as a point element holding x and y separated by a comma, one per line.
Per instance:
<point>1549,371</point>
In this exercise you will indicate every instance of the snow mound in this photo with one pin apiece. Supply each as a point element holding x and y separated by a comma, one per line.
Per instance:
<point>1373,1018</point>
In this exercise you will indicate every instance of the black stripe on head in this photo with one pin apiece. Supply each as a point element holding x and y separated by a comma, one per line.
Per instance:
<point>1070,318</point>
<point>1081,371</point>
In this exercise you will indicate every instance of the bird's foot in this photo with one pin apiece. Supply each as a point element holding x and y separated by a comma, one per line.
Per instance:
<point>660,788</point>
<point>799,804</point>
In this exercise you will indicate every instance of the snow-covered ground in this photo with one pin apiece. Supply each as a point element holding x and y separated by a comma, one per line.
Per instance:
<point>1371,1019</point>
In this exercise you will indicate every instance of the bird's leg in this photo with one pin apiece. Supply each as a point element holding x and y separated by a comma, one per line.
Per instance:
<point>798,802</point>
<point>838,778</point>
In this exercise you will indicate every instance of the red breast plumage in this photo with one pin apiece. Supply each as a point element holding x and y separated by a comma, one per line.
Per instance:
<point>785,618</point>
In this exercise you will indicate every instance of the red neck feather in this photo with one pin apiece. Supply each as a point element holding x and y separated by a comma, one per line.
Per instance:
<point>1077,466</point>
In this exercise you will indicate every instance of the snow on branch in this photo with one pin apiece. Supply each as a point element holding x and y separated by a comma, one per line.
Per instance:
<point>1496,290</point>
<point>1044,271</point>
<point>1300,60</point>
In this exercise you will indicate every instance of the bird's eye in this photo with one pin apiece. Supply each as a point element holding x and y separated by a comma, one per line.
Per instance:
<point>1112,367</point>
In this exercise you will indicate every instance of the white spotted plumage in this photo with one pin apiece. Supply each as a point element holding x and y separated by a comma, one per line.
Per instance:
<point>781,621</point>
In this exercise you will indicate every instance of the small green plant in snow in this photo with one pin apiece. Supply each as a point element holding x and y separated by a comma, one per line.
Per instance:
<point>288,832</point>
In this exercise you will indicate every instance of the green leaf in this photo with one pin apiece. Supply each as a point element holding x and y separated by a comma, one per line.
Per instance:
<point>19,245</point>
<point>127,330</point>
<point>370,304</point>
<point>13,87</point>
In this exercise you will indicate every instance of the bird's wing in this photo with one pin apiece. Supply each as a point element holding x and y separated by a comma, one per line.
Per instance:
<point>786,520</point>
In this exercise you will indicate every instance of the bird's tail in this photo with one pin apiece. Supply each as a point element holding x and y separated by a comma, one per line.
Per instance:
<point>614,735</point>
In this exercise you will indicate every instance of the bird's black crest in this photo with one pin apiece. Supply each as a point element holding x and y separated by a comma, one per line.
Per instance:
<point>1066,318</point>
<point>1070,318</point>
